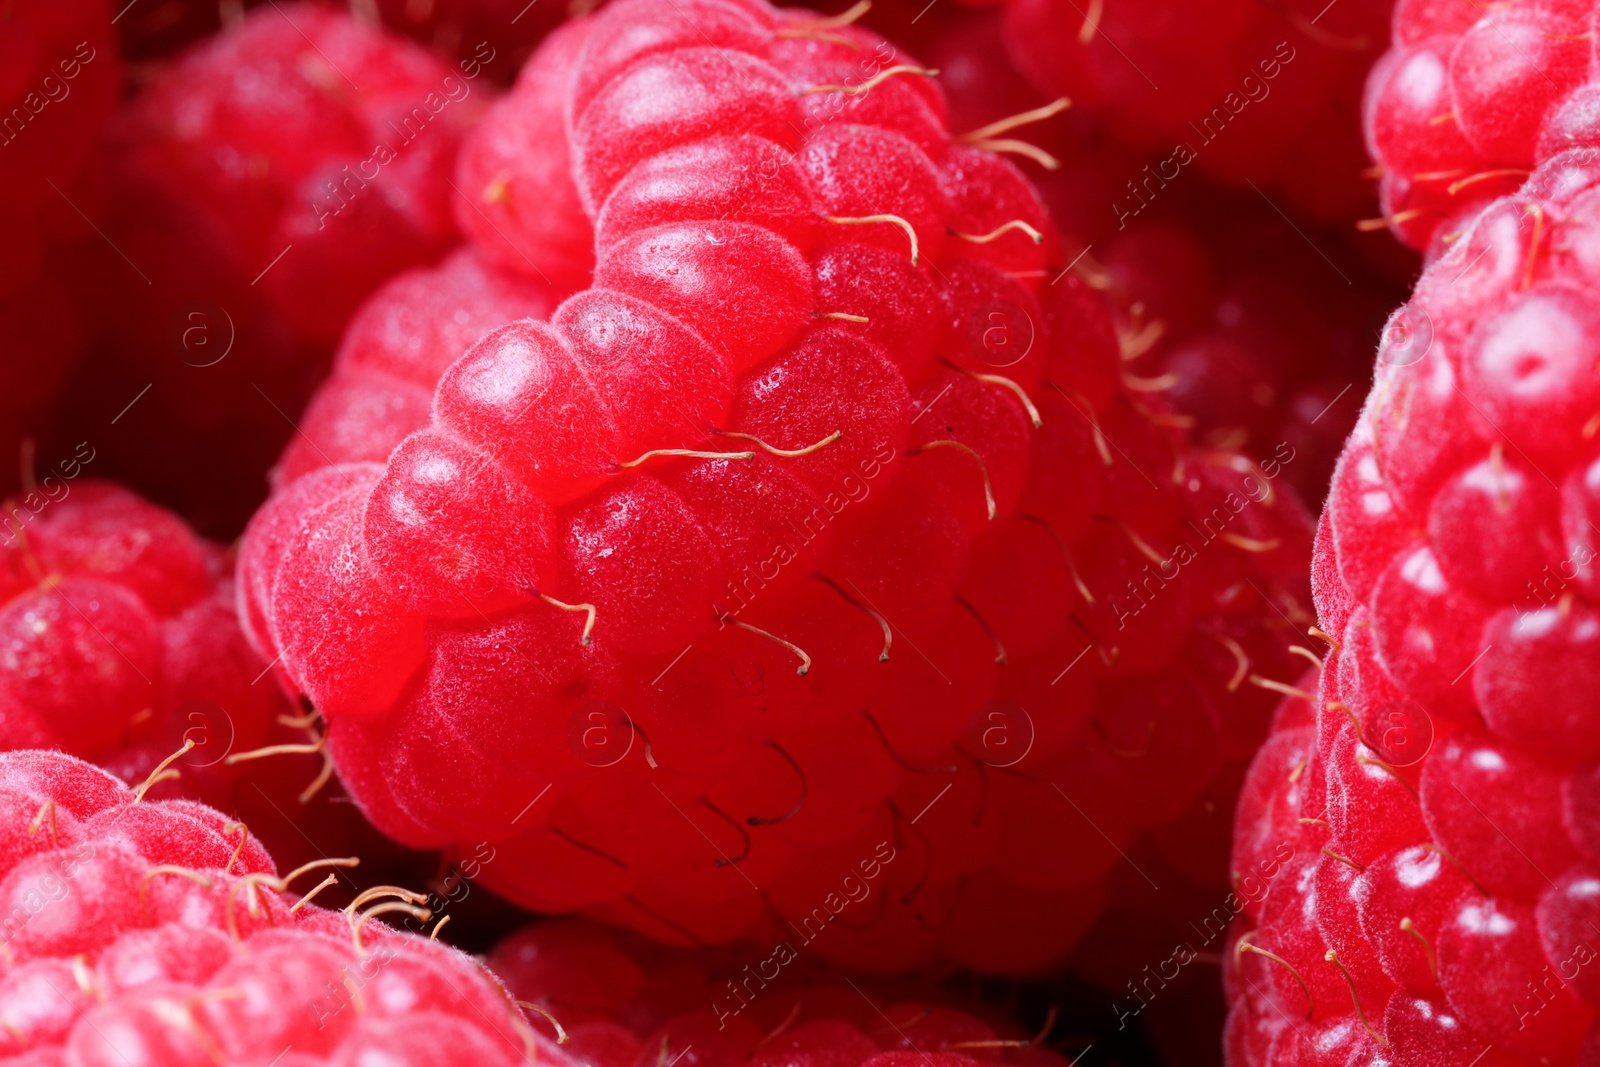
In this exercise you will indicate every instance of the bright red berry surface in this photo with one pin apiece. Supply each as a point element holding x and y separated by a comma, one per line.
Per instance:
<point>1464,105</point>
<point>947,601</point>
<point>148,932</point>
<point>1428,820</point>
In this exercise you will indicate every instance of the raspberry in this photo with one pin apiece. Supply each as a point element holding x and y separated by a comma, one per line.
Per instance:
<point>119,644</point>
<point>617,1002</point>
<point>1438,803</point>
<point>521,207</point>
<point>304,157</point>
<point>1253,95</point>
<point>1461,109</point>
<point>158,932</point>
<point>1238,346</point>
<point>336,87</point>
<point>393,352</point>
<point>818,539</point>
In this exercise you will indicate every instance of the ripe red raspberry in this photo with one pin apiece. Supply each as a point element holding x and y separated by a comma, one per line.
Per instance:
<point>265,135</point>
<point>1251,94</point>
<point>521,207</point>
<point>266,181</point>
<point>396,347</point>
<point>119,644</point>
<point>1463,107</point>
<point>1236,341</point>
<point>142,932</point>
<point>816,554</point>
<point>618,1003</point>
<point>1432,816</point>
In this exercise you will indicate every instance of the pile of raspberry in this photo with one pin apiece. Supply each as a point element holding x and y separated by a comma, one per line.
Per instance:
<point>1468,101</point>
<point>147,932</point>
<point>1416,852</point>
<point>264,182</point>
<point>816,563</point>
